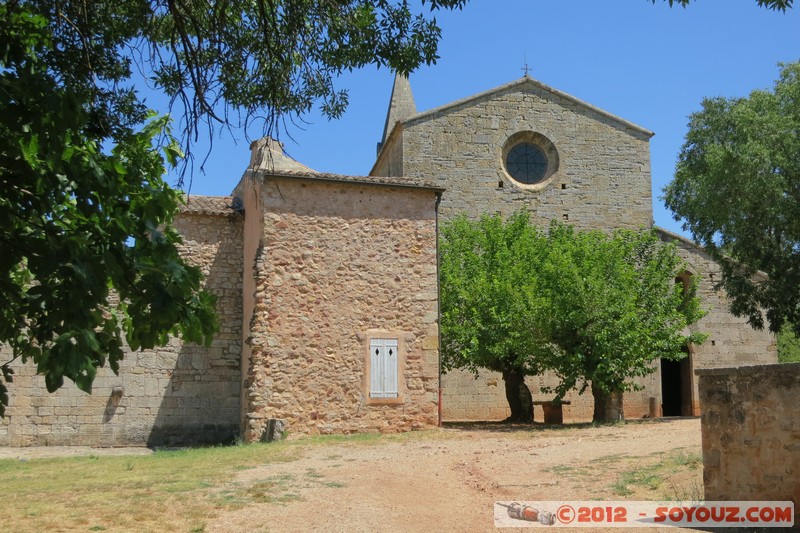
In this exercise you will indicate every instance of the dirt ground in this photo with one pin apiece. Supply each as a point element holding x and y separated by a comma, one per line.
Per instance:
<point>449,480</point>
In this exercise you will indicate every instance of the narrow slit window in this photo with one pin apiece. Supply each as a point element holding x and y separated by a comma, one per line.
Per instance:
<point>383,368</point>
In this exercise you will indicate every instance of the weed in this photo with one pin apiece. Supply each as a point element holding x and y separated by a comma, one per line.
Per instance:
<point>568,470</point>
<point>313,474</point>
<point>652,476</point>
<point>611,458</point>
<point>690,460</point>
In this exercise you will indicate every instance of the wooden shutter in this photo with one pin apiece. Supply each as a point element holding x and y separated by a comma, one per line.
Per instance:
<point>383,368</point>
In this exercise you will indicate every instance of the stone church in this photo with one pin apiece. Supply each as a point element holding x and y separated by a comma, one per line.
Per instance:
<point>327,284</point>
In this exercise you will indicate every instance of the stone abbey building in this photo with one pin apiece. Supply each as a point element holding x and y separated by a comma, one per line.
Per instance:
<point>327,284</point>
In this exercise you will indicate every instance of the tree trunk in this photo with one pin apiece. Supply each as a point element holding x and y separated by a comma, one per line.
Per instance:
<point>607,406</point>
<point>519,397</point>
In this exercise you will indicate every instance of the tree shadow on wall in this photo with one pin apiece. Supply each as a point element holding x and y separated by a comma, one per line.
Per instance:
<point>201,391</point>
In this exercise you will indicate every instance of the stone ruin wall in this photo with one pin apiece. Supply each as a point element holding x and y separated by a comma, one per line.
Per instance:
<point>751,432</point>
<point>176,394</point>
<point>339,263</point>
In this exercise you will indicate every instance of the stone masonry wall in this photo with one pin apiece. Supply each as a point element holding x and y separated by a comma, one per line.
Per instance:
<point>751,432</point>
<point>390,159</point>
<point>176,394</point>
<point>731,340</point>
<point>603,179</point>
<point>338,264</point>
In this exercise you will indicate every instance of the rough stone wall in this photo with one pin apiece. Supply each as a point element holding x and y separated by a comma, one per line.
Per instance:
<point>751,432</point>
<point>175,394</point>
<point>731,340</point>
<point>337,265</point>
<point>603,180</point>
<point>390,159</point>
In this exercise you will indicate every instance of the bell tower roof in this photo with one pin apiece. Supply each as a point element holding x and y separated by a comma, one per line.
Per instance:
<point>401,105</point>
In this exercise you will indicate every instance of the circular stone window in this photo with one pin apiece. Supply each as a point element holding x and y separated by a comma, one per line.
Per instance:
<point>530,159</point>
<point>526,163</point>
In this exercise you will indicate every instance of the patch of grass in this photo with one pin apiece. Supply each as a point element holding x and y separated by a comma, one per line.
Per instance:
<point>652,477</point>
<point>313,474</point>
<point>123,492</point>
<point>690,460</point>
<point>648,477</point>
<point>276,489</point>
<point>568,470</point>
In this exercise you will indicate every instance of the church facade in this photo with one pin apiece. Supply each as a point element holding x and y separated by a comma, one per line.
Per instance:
<point>593,172</point>
<point>327,284</point>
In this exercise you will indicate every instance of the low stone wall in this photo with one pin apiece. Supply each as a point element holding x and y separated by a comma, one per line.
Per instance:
<point>751,432</point>
<point>172,395</point>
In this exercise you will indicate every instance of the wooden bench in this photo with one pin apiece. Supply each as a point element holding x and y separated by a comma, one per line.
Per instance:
<point>553,412</point>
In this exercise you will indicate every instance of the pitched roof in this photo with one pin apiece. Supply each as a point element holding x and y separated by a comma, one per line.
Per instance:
<point>211,205</point>
<point>269,160</point>
<point>524,81</point>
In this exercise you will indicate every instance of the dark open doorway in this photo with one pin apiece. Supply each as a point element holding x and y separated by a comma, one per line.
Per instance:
<point>676,386</point>
<point>670,387</point>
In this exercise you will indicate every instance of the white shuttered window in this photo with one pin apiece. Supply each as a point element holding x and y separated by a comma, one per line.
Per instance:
<point>383,368</point>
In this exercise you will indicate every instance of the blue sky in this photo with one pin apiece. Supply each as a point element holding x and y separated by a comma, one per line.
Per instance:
<point>646,63</point>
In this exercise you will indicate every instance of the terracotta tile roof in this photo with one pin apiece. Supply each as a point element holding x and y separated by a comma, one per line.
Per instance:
<point>393,181</point>
<point>212,205</point>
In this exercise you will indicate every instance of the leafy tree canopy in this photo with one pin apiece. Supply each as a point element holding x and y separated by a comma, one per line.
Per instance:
<point>595,309</point>
<point>777,5</point>
<point>737,189</point>
<point>491,309</point>
<point>229,63</point>
<point>615,309</point>
<point>788,347</point>
<point>89,251</point>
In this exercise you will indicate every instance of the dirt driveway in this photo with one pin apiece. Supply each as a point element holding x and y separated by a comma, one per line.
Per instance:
<point>448,480</point>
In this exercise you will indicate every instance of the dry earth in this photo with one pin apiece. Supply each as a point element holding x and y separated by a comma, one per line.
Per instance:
<point>449,480</point>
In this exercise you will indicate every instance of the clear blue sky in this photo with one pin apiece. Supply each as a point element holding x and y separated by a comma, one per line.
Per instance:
<point>646,63</point>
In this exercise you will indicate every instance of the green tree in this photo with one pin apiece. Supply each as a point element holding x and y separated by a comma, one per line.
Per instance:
<point>615,309</point>
<point>79,225</point>
<point>737,190</point>
<point>227,63</point>
<point>788,347</point>
<point>777,5</point>
<point>89,251</point>
<point>598,310</point>
<point>489,303</point>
